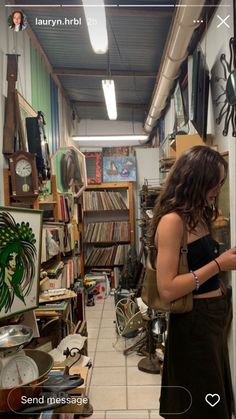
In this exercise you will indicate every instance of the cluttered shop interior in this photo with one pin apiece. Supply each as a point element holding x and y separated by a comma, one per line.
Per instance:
<point>117,209</point>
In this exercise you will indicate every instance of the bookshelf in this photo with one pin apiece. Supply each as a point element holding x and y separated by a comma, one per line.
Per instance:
<point>108,228</point>
<point>36,203</point>
<point>61,252</point>
<point>148,196</point>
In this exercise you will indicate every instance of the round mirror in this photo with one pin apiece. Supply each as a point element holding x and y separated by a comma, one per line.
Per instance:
<point>231,88</point>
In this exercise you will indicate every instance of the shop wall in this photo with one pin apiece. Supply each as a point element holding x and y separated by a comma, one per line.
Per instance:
<point>41,91</point>
<point>46,96</point>
<point>12,43</point>
<point>55,116</point>
<point>214,43</point>
<point>65,121</point>
<point>96,127</point>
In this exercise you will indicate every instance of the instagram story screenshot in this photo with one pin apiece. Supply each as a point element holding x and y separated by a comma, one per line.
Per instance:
<point>117,209</point>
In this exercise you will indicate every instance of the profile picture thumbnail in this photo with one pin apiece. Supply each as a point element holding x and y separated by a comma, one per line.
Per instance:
<point>17,21</point>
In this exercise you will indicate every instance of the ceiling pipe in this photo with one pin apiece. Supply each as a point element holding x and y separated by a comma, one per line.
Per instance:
<point>176,51</point>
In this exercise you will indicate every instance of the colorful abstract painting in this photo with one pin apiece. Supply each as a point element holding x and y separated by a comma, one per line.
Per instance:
<point>119,169</point>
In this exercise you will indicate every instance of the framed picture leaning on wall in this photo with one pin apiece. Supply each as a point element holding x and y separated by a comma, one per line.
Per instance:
<point>20,256</point>
<point>94,167</point>
<point>23,110</point>
<point>70,169</point>
<point>180,113</point>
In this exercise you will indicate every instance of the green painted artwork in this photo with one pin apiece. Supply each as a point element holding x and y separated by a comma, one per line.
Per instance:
<point>19,259</point>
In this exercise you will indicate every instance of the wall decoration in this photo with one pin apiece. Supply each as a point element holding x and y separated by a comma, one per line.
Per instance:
<point>38,145</point>
<point>94,167</point>
<point>23,110</point>
<point>115,151</point>
<point>224,89</point>
<point>119,169</point>
<point>179,107</point>
<point>70,169</point>
<point>20,255</point>
<point>198,77</point>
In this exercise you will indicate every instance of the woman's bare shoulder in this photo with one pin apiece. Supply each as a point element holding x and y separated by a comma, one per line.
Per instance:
<point>172,219</point>
<point>170,226</point>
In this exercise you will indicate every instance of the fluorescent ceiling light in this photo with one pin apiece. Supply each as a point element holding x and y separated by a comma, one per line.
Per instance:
<point>96,22</point>
<point>98,138</point>
<point>110,98</point>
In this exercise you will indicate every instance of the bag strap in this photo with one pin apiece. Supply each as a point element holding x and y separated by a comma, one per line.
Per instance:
<point>183,263</point>
<point>184,244</point>
<point>183,260</point>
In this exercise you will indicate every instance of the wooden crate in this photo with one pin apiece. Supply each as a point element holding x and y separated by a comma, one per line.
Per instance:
<point>184,142</point>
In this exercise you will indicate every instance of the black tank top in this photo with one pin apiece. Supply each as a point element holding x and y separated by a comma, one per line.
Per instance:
<point>201,252</point>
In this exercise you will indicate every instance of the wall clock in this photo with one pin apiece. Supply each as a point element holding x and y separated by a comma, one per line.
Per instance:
<point>24,177</point>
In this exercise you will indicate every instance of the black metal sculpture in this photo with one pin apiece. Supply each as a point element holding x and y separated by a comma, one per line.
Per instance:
<point>228,108</point>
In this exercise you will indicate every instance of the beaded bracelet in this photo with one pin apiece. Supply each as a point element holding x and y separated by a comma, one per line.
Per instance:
<point>217,264</point>
<point>196,280</point>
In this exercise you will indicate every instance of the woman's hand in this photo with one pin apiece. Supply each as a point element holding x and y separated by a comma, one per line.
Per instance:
<point>227,260</point>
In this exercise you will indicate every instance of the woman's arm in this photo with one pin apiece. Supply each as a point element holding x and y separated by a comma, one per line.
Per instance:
<point>168,241</point>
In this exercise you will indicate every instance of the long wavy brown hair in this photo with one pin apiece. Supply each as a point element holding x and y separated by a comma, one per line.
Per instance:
<point>195,172</point>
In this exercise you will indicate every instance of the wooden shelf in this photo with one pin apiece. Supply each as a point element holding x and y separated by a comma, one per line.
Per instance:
<point>104,266</point>
<point>106,210</point>
<point>107,243</point>
<point>124,191</point>
<point>130,210</point>
<point>30,202</point>
<point>52,201</point>
<point>109,185</point>
<point>47,202</point>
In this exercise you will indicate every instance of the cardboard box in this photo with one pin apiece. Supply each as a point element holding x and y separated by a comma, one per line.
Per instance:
<point>184,142</point>
<point>54,283</point>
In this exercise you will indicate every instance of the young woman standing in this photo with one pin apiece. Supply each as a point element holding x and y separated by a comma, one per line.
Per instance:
<point>196,380</point>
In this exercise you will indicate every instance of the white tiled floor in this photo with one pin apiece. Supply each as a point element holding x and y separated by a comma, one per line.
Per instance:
<point>117,389</point>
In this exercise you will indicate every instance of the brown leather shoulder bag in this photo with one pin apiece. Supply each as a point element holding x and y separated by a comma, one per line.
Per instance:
<point>150,294</point>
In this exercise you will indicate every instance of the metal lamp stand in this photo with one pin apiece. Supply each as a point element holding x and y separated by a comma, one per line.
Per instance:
<point>150,363</point>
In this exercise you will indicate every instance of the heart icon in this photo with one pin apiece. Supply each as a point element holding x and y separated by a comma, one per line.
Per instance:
<point>212,399</point>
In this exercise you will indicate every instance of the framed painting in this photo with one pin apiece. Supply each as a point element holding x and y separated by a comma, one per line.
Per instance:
<point>20,256</point>
<point>179,107</point>
<point>94,167</point>
<point>198,85</point>
<point>119,169</point>
<point>70,169</point>
<point>23,111</point>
